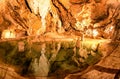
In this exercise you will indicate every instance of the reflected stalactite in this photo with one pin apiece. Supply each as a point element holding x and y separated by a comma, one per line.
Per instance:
<point>40,66</point>
<point>72,35</point>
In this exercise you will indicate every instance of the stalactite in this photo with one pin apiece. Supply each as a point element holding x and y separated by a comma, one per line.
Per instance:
<point>69,21</point>
<point>72,37</point>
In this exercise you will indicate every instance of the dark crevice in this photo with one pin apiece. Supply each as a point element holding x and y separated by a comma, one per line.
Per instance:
<point>62,6</point>
<point>16,16</point>
<point>28,6</point>
<point>64,15</point>
<point>117,76</point>
<point>54,3</point>
<point>107,70</point>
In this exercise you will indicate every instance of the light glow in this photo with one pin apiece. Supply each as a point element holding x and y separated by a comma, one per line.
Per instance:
<point>8,34</point>
<point>95,33</point>
<point>83,18</point>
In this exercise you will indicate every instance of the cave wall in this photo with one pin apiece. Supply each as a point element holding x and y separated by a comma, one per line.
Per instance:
<point>64,17</point>
<point>72,17</point>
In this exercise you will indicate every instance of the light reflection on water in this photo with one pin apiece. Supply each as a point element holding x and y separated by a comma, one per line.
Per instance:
<point>49,58</point>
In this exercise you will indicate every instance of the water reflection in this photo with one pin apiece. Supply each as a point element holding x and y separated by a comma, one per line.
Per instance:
<point>53,58</point>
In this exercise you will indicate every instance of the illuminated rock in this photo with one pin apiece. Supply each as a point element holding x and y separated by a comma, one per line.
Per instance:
<point>76,33</point>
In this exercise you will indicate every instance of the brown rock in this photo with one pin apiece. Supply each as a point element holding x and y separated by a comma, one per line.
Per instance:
<point>78,1</point>
<point>98,12</point>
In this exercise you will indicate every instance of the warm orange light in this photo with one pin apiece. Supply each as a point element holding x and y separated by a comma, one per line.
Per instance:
<point>8,34</point>
<point>83,18</point>
<point>109,29</point>
<point>95,33</point>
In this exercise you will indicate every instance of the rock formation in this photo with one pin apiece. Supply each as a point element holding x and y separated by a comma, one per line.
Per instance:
<point>48,20</point>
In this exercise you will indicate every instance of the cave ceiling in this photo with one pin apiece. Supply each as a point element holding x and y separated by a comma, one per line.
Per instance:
<point>71,17</point>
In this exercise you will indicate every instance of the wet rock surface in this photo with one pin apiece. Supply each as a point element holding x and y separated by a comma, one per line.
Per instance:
<point>58,39</point>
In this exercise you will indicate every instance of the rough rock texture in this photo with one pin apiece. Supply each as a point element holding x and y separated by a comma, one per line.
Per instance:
<point>62,19</point>
<point>74,17</point>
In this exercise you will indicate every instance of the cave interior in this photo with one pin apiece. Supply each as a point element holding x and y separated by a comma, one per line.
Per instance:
<point>60,39</point>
